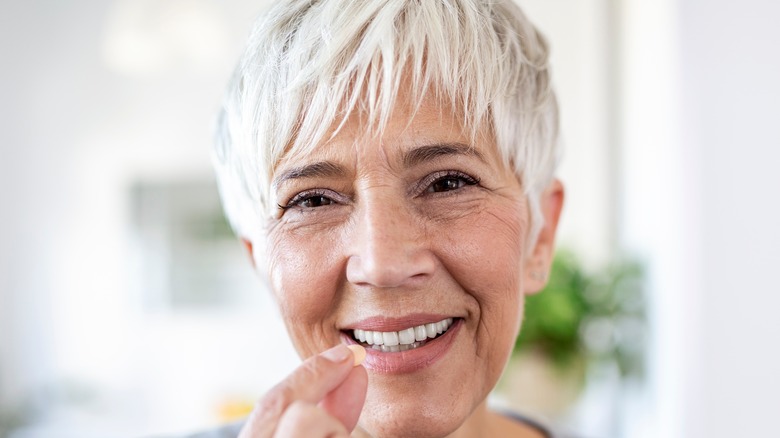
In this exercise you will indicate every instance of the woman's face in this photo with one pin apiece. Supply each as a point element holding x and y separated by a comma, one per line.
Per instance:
<point>397,232</point>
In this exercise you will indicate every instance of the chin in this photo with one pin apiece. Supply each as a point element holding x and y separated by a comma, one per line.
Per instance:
<point>413,420</point>
<point>419,406</point>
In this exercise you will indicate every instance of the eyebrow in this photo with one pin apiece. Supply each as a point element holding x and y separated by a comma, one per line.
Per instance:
<point>431,152</point>
<point>313,170</point>
<point>413,157</point>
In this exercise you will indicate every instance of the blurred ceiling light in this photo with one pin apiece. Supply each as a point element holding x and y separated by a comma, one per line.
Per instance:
<point>151,37</point>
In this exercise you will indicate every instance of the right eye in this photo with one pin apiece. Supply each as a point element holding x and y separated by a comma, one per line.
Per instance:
<point>310,199</point>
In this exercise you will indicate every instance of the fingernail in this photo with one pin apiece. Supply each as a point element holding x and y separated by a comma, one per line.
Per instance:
<point>358,352</point>
<point>339,353</point>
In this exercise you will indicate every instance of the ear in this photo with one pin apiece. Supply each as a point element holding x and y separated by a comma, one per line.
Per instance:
<point>255,251</point>
<point>537,266</point>
<point>249,250</point>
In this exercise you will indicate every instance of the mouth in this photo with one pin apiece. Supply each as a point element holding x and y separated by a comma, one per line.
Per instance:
<point>403,340</point>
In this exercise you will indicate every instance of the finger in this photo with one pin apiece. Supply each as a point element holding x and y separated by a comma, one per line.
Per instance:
<point>310,382</point>
<point>302,419</point>
<point>346,401</point>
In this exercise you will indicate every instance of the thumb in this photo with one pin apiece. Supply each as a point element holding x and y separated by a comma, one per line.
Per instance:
<point>346,401</point>
<point>311,382</point>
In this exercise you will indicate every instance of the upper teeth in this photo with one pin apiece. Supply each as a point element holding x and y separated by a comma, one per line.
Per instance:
<point>403,337</point>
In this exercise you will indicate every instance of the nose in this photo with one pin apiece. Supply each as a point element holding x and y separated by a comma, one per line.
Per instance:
<point>389,247</point>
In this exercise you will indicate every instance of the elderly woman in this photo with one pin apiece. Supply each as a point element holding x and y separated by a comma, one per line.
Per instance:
<point>389,167</point>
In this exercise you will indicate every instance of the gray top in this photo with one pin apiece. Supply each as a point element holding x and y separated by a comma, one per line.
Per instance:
<point>225,431</point>
<point>530,423</point>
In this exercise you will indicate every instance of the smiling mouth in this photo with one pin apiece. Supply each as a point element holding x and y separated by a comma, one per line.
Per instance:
<point>407,339</point>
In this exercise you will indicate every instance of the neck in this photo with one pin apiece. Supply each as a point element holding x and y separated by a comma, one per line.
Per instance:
<point>482,422</point>
<point>478,424</point>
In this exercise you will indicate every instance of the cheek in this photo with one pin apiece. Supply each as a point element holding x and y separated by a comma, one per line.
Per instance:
<point>304,283</point>
<point>485,253</point>
<point>485,256</point>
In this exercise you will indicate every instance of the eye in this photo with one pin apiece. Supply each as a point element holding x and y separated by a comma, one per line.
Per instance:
<point>310,199</point>
<point>448,180</point>
<point>315,201</point>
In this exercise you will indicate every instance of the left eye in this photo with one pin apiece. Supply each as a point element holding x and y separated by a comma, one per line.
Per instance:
<point>449,182</point>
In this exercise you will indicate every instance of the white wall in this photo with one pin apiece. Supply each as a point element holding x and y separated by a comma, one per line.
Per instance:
<point>655,204</point>
<point>731,69</point>
<point>701,151</point>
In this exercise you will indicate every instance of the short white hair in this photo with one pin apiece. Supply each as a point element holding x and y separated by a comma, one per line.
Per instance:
<point>310,63</point>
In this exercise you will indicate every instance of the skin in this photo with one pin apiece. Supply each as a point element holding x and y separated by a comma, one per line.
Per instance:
<point>384,234</point>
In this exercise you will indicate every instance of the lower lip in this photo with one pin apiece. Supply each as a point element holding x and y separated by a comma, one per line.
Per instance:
<point>410,360</point>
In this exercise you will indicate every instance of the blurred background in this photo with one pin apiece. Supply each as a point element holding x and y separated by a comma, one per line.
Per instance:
<point>127,308</point>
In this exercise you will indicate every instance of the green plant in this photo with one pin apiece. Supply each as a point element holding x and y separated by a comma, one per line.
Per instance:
<point>589,318</point>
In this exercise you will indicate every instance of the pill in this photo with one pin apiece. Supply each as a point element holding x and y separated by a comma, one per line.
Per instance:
<point>358,353</point>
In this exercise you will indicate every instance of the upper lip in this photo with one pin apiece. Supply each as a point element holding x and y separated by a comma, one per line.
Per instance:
<point>394,324</point>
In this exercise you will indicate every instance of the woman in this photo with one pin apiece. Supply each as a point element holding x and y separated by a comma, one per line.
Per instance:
<point>389,168</point>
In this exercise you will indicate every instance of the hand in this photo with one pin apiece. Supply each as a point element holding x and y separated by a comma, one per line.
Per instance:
<point>322,398</point>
